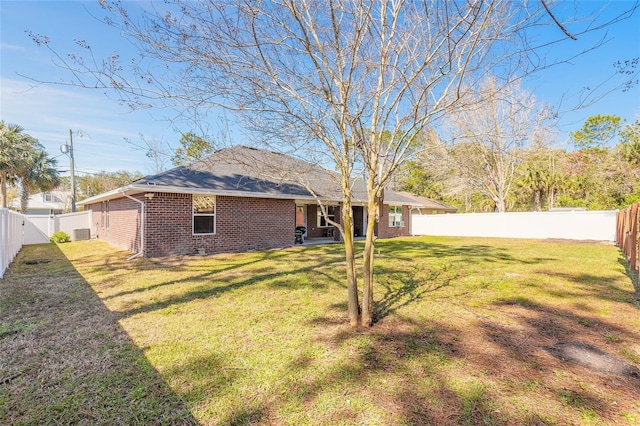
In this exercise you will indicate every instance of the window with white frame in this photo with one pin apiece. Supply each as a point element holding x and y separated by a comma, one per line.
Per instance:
<point>331,215</point>
<point>395,216</point>
<point>204,214</point>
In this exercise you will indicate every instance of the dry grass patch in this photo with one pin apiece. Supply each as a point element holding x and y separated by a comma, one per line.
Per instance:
<point>470,331</point>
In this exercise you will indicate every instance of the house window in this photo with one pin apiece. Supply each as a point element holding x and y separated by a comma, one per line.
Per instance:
<point>48,198</point>
<point>395,216</point>
<point>331,215</point>
<point>204,214</point>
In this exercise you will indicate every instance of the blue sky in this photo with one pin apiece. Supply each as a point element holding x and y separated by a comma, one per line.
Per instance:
<point>47,112</point>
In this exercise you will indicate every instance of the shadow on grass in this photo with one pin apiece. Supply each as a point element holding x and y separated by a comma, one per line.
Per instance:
<point>67,360</point>
<point>632,274</point>
<point>406,279</point>
<point>416,356</point>
<point>587,284</point>
<point>404,248</point>
<point>143,265</point>
<point>543,339</point>
<point>449,374</point>
<point>404,286</point>
<point>209,284</point>
<point>406,371</point>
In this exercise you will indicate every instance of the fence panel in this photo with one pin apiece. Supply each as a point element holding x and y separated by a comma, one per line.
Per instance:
<point>573,225</point>
<point>71,221</point>
<point>627,234</point>
<point>40,228</point>
<point>11,237</point>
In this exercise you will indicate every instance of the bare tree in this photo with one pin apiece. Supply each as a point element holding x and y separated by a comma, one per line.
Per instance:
<point>493,132</point>
<point>358,81</point>
<point>157,151</point>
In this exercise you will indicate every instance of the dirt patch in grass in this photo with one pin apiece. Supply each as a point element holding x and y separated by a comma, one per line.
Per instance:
<point>469,331</point>
<point>592,358</point>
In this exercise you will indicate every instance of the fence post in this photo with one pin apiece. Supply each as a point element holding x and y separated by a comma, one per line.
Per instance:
<point>633,237</point>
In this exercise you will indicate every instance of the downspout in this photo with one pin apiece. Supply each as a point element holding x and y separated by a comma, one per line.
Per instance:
<point>141,252</point>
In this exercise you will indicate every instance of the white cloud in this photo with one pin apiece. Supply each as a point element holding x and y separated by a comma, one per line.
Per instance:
<point>47,112</point>
<point>12,47</point>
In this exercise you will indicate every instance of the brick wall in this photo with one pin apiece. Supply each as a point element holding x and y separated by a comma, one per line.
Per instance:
<point>313,230</point>
<point>383,229</point>
<point>124,223</point>
<point>242,224</point>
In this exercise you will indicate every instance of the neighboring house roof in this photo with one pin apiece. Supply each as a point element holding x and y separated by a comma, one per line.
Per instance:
<point>428,203</point>
<point>251,172</point>
<point>51,200</point>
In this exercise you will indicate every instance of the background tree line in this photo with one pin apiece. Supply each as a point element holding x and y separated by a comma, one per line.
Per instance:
<point>602,172</point>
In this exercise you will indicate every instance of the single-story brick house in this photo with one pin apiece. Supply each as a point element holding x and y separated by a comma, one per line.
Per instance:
<point>237,199</point>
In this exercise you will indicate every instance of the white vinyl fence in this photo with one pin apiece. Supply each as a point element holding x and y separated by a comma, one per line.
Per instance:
<point>10,237</point>
<point>573,225</point>
<point>39,228</point>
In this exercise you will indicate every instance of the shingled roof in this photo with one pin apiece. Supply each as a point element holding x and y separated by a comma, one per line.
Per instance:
<point>428,203</point>
<point>251,172</point>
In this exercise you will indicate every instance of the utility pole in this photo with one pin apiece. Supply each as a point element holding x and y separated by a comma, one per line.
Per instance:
<point>73,180</point>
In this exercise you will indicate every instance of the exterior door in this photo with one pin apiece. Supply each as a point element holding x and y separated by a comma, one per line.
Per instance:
<point>364,221</point>
<point>301,217</point>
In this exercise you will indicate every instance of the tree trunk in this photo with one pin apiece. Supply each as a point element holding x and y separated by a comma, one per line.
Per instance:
<point>24,199</point>
<point>369,251</point>
<point>537,200</point>
<point>3,189</point>
<point>352,283</point>
<point>500,205</point>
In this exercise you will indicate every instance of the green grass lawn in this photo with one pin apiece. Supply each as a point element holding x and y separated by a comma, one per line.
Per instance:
<point>468,332</point>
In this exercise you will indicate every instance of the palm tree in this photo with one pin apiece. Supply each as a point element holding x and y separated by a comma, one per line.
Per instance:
<point>535,179</point>
<point>38,173</point>
<point>10,155</point>
<point>23,159</point>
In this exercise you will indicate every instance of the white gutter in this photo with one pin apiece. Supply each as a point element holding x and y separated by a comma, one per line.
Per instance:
<point>141,252</point>
<point>187,190</point>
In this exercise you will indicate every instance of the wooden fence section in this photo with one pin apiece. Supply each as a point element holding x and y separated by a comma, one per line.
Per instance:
<point>627,234</point>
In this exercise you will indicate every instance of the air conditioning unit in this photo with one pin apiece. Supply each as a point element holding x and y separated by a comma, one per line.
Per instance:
<point>81,234</point>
